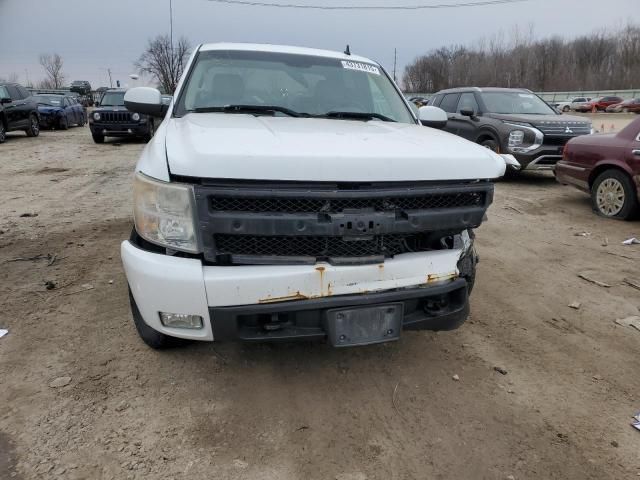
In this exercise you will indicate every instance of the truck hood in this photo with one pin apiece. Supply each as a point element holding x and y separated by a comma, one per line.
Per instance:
<point>238,146</point>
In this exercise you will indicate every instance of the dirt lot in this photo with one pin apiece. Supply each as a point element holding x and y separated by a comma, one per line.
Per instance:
<point>562,411</point>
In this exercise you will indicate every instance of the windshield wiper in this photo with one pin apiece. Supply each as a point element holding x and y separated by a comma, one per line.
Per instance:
<point>357,116</point>
<point>250,109</point>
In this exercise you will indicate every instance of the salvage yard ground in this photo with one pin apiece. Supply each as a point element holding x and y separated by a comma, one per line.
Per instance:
<point>82,397</point>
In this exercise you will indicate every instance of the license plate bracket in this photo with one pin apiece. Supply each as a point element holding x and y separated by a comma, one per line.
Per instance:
<point>347,327</point>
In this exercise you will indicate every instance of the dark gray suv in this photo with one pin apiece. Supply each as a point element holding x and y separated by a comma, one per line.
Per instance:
<point>510,120</point>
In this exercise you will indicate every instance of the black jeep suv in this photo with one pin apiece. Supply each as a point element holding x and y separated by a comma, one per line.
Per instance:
<point>510,120</point>
<point>18,111</point>
<point>112,119</point>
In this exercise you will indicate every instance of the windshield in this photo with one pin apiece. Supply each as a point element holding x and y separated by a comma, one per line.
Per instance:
<point>297,84</point>
<point>112,99</point>
<point>518,103</point>
<point>52,100</point>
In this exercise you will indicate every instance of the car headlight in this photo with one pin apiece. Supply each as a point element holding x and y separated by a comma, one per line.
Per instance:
<point>135,117</point>
<point>524,138</point>
<point>96,115</point>
<point>164,213</point>
<point>516,138</point>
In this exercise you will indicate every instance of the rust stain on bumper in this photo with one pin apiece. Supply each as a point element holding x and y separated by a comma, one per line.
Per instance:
<point>440,278</point>
<point>295,296</point>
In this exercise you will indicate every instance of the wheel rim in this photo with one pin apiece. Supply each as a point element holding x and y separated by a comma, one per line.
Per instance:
<point>35,128</point>
<point>610,197</point>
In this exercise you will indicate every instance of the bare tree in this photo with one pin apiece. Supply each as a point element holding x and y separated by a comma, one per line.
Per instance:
<point>11,78</point>
<point>165,62</point>
<point>52,65</point>
<point>602,60</point>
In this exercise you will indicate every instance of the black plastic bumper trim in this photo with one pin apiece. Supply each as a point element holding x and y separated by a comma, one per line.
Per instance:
<point>227,322</point>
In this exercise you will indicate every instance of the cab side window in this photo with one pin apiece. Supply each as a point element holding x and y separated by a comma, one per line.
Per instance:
<point>23,91</point>
<point>450,102</point>
<point>14,93</point>
<point>468,102</point>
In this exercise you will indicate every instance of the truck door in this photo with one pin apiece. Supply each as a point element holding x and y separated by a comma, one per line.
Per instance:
<point>449,104</point>
<point>467,125</point>
<point>15,110</point>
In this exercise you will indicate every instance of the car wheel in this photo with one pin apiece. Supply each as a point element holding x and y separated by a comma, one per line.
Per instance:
<point>3,132</point>
<point>34,127</point>
<point>152,337</point>
<point>98,138</point>
<point>625,110</point>
<point>63,124</point>
<point>614,196</point>
<point>150,133</point>
<point>566,108</point>
<point>491,144</point>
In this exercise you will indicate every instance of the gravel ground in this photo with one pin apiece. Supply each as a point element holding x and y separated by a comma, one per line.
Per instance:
<point>82,397</point>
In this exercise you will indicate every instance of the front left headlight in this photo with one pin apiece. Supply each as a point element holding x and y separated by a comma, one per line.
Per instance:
<point>524,137</point>
<point>164,213</point>
<point>96,116</point>
<point>135,117</point>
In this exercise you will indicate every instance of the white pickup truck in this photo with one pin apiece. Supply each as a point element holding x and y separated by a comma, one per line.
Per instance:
<point>292,193</point>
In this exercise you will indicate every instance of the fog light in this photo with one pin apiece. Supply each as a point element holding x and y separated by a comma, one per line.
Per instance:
<point>180,320</point>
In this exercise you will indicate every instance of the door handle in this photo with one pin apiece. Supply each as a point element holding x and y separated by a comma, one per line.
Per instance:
<point>636,152</point>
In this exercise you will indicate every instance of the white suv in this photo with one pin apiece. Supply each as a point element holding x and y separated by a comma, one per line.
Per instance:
<point>292,193</point>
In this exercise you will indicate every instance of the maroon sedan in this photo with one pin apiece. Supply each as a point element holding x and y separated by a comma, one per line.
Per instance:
<point>599,104</point>
<point>608,167</point>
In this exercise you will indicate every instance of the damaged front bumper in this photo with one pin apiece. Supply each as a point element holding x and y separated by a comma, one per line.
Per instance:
<point>278,302</point>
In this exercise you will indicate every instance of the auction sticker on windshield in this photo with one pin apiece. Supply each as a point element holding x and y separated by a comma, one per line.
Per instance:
<point>362,67</point>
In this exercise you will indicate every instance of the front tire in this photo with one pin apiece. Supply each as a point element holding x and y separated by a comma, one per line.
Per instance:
<point>491,144</point>
<point>151,337</point>
<point>3,132</point>
<point>98,138</point>
<point>150,133</point>
<point>63,123</point>
<point>613,195</point>
<point>34,126</point>
<point>566,108</point>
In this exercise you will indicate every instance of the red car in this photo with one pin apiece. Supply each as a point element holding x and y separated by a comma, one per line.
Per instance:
<point>608,167</point>
<point>631,105</point>
<point>599,104</point>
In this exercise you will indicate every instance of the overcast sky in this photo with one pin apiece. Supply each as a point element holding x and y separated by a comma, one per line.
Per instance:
<point>93,35</point>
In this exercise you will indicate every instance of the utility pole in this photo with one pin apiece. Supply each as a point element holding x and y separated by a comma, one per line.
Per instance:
<point>110,80</point>
<point>395,61</point>
<point>171,23</point>
<point>26,72</point>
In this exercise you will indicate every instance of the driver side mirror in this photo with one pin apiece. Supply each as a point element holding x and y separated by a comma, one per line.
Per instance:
<point>5,100</point>
<point>468,112</point>
<point>433,117</point>
<point>145,100</point>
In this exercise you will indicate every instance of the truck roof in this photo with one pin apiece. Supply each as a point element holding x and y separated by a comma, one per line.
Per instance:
<point>263,47</point>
